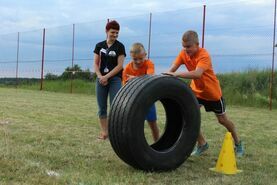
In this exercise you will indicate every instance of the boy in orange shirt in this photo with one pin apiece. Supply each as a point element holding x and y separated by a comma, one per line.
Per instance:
<point>137,67</point>
<point>205,86</point>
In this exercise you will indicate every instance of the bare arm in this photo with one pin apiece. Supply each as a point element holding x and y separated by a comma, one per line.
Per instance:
<point>118,68</point>
<point>97,65</point>
<point>172,70</point>
<point>104,79</point>
<point>174,67</point>
<point>195,74</point>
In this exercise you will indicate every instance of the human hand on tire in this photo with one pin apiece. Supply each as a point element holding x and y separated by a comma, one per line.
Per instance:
<point>170,73</point>
<point>129,77</point>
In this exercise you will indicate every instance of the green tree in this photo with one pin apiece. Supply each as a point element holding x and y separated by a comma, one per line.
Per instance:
<point>76,72</point>
<point>71,71</point>
<point>50,76</point>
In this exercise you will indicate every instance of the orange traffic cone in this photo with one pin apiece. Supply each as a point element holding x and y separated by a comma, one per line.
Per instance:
<point>226,162</point>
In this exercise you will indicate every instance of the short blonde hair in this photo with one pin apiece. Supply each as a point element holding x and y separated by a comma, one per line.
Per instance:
<point>190,37</point>
<point>137,48</point>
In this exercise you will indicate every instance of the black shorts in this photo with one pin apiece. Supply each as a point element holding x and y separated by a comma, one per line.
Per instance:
<point>218,107</point>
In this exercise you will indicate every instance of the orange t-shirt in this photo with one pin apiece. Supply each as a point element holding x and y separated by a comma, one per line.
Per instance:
<point>147,67</point>
<point>207,87</point>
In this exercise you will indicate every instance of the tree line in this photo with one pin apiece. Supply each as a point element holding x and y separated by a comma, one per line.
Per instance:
<point>75,72</point>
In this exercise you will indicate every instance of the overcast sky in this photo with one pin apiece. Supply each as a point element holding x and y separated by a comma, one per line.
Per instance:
<point>238,32</point>
<point>27,15</point>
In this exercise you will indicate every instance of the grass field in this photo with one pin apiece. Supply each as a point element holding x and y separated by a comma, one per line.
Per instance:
<point>50,138</point>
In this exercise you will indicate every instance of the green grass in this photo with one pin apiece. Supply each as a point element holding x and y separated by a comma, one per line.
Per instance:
<point>248,88</point>
<point>44,131</point>
<point>64,86</point>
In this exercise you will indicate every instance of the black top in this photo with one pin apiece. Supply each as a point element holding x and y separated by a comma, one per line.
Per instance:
<point>109,56</point>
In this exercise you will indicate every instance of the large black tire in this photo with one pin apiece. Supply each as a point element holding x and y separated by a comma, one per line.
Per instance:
<point>127,116</point>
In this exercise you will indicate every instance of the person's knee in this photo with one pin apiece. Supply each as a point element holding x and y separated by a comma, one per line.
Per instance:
<point>222,120</point>
<point>152,123</point>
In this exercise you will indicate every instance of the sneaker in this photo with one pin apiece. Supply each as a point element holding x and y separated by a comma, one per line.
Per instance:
<point>239,149</point>
<point>200,149</point>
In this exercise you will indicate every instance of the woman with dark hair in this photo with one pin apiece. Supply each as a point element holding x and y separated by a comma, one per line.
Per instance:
<point>109,56</point>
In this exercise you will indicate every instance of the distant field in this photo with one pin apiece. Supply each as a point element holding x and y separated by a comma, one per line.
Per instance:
<point>249,88</point>
<point>50,138</point>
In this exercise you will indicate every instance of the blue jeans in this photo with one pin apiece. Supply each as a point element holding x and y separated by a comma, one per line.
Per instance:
<point>102,93</point>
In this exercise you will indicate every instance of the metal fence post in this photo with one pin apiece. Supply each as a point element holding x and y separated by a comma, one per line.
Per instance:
<point>17,56</point>
<point>273,53</point>
<point>149,35</point>
<point>72,62</point>
<point>42,59</point>
<point>204,24</point>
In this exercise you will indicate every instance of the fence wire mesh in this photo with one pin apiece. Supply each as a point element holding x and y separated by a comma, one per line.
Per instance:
<point>238,39</point>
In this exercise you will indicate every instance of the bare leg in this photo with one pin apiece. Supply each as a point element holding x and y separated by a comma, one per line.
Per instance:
<point>202,145</point>
<point>154,129</point>
<point>104,128</point>
<point>201,140</point>
<point>229,125</point>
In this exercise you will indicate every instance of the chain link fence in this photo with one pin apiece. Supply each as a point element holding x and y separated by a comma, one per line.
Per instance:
<point>238,39</point>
